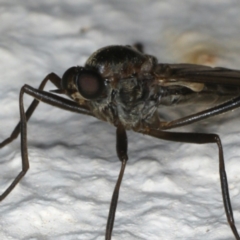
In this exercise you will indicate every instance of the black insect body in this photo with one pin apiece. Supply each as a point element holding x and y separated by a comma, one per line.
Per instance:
<point>127,88</point>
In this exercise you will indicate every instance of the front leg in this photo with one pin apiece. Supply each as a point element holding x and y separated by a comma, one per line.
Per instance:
<point>21,127</point>
<point>53,78</point>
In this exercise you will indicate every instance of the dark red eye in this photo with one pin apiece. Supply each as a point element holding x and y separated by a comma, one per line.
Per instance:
<point>68,77</point>
<point>89,83</point>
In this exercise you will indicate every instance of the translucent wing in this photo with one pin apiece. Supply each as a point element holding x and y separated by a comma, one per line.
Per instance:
<point>197,84</point>
<point>198,74</point>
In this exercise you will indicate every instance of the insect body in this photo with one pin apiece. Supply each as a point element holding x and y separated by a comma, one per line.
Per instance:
<point>123,86</point>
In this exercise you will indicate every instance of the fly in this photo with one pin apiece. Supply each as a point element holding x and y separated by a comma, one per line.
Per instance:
<point>125,87</point>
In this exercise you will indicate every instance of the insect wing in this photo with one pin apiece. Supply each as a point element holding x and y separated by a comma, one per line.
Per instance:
<point>198,74</point>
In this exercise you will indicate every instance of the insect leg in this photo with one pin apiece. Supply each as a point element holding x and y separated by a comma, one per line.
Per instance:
<point>50,77</point>
<point>43,96</point>
<point>204,138</point>
<point>123,157</point>
<point>222,108</point>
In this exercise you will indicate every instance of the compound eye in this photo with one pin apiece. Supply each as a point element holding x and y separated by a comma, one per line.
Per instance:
<point>90,84</point>
<point>68,77</point>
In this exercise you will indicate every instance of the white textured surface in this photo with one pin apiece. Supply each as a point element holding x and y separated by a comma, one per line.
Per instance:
<point>170,190</point>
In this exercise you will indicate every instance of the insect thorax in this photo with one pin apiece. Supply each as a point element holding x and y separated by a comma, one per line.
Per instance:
<point>128,78</point>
